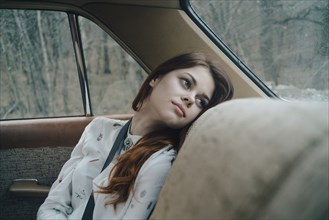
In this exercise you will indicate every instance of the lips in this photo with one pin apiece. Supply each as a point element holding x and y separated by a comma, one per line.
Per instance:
<point>179,109</point>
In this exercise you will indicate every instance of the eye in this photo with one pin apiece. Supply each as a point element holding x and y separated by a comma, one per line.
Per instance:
<point>201,103</point>
<point>186,83</point>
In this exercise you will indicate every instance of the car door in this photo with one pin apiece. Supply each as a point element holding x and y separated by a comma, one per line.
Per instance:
<point>58,71</point>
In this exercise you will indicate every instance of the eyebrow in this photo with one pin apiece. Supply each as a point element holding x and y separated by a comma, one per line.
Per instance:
<point>195,83</point>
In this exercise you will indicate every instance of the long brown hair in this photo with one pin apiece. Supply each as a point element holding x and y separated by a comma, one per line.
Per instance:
<point>123,175</point>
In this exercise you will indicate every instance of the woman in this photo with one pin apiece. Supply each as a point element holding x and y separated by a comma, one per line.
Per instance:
<point>173,96</point>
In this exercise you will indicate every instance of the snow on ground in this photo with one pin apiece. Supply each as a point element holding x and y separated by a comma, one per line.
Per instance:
<point>293,93</point>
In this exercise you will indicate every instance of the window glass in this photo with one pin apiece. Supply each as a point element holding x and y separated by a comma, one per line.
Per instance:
<point>114,77</point>
<point>285,43</point>
<point>38,75</point>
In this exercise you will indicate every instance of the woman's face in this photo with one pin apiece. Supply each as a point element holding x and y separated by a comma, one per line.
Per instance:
<point>179,96</point>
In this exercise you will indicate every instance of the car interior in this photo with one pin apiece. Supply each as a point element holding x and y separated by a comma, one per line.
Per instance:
<point>255,157</point>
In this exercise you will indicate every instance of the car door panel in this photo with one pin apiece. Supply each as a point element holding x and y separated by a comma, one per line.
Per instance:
<point>50,132</point>
<point>32,153</point>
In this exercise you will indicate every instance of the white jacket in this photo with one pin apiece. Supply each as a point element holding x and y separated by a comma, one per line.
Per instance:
<point>69,194</point>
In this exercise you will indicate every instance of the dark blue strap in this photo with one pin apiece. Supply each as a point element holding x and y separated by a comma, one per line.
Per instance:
<point>117,146</point>
<point>89,211</point>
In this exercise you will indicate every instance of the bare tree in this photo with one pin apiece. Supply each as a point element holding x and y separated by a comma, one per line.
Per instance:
<point>106,59</point>
<point>270,68</point>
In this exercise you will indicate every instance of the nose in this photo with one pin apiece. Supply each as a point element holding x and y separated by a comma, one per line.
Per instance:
<point>188,100</point>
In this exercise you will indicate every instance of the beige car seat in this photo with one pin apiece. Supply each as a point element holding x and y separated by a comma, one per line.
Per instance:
<point>251,159</point>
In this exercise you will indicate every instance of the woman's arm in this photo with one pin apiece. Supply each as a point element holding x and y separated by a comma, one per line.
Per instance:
<point>58,203</point>
<point>148,185</point>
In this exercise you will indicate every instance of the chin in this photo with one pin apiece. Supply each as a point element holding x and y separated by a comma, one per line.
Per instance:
<point>174,122</point>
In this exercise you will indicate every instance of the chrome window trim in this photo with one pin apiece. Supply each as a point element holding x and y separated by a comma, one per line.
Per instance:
<point>81,66</point>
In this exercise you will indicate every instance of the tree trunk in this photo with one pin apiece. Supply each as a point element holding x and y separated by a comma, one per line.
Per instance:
<point>266,42</point>
<point>107,69</point>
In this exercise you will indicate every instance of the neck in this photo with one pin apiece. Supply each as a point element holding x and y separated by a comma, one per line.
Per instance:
<point>143,124</point>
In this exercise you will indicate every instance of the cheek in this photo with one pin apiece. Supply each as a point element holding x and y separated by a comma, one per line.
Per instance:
<point>194,113</point>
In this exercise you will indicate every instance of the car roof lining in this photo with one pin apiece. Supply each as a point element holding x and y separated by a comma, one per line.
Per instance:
<point>174,4</point>
<point>169,32</point>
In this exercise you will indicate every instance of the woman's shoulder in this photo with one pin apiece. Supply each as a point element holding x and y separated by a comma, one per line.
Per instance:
<point>165,155</point>
<point>168,151</point>
<point>159,163</point>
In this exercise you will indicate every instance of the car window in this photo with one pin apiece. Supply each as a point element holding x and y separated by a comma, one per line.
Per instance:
<point>38,73</point>
<point>114,77</point>
<point>285,43</point>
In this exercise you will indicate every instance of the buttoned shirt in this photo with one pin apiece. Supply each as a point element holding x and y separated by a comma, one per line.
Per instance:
<point>81,175</point>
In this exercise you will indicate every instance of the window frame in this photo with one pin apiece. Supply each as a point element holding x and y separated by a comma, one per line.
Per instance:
<point>73,15</point>
<point>74,30</point>
<point>80,62</point>
<point>187,7</point>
